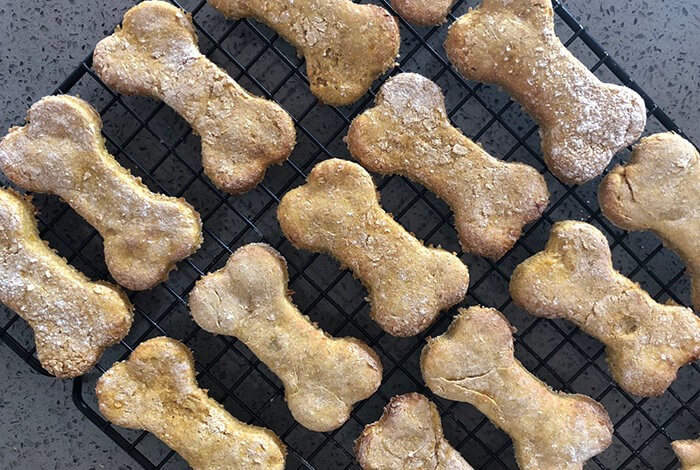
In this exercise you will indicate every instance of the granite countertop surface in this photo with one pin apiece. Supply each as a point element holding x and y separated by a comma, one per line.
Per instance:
<point>41,41</point>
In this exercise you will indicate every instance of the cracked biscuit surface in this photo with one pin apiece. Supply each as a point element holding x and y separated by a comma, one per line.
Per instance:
<point>473,362</point>
<point>346,46</point>
<point>155,53</point>
<point>73,319</point>
<point>573,278</point>
<point>583,121</point>
<point>408,133</point>
<point>408,436</point>
<point>156,390</point>
<point>659,190</point>
<point>61,151</point>
<point>323,376</point>
<point>338,212</point>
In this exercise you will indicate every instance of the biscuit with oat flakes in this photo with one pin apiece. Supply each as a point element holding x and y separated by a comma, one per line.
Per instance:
<point>583,121</point>
<point>74,320</point>
<point>408,133</point>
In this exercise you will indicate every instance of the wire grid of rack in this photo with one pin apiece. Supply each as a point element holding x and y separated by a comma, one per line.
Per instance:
<point>156,145</point>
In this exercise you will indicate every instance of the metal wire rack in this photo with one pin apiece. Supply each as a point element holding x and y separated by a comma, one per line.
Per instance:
<point>157,145</point>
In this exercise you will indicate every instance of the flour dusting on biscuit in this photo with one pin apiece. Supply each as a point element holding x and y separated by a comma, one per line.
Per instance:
<point>583,121</point>
<point>156,390</point>
<point>408,132</point>
<point>61,151</point>
<point>337,212</point>
<point>573,278</point>
<point>474,362</point>
<point>346,46</point>
<point>249,299</point>
<point>659,190</point>
<point>74,320</point>
<point>155,53</point>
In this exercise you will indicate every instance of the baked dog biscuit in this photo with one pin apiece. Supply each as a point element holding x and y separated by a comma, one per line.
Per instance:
<point>423,12</point>
<point>154,53</point>
<point>73,319</point>
<point>659,190</point>
<point>407,436</point>
<point>688,453</point>
<point>409,133</point>
<point>337,212</point>
<point>573,278</point>
<point>346,46</point>
<point>61,151</point>
<point>474,362</point>
<point>323,376</point>
<point>156,390</point>
<point>583,121</point>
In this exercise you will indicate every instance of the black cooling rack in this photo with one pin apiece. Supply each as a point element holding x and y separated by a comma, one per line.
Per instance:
<point>155,144</point>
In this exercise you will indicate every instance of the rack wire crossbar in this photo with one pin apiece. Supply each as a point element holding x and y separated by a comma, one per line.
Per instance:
<point>158,146</point>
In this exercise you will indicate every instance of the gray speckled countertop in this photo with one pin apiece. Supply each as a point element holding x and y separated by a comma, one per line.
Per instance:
<point>40,43</point>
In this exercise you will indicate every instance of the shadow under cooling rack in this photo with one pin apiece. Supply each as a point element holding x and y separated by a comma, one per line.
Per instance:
<point>155,144</point>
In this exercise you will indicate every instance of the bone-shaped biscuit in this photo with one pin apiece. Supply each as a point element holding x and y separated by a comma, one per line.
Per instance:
<point>573,278</point>
<point>583,121</point>
<point>337,212</point>
<point>473,362</point>
<point>323,376</point>
<point>61,151</point>
<point>155,53</point>
<point>156,390</point>
<point>688,453</point>
<point>423,12</point>
<point>73,319</point>
<point>407,436</point>
<point>346,46</point>
<point>659,190</point>
<point>409,133</point>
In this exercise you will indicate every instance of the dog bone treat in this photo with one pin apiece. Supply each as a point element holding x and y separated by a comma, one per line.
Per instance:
<point>474,362</point>
<point>156,390</point>
<point>423,12</point>
<point>659,190</point>
<point>61,151</point>
<point>338,212</point>
<point>323,376</point>
<point>583,121</point>
<point>155,53</point>
<point>407,436</point>
<point>346,46</point>
<point>574,278</point>
<point>409,133</point>
<point>688,453</point>
<point>73,319</point>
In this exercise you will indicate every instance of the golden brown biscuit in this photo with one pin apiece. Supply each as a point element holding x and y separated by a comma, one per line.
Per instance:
<point>583,121</point>
<point>73,319</point>
<point>574,278</point>
<point>409,133</point>
<point>423,12</point>
<point>473,362</point>
<point>659,190</point>
<point>688,453</point>
<point>337,212</point>
<point>346,46</point>
<point>154,53</point>
<point>156,390</point>
<point>61,151</point>
<point>407,436</point>
<point>323,376</point>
